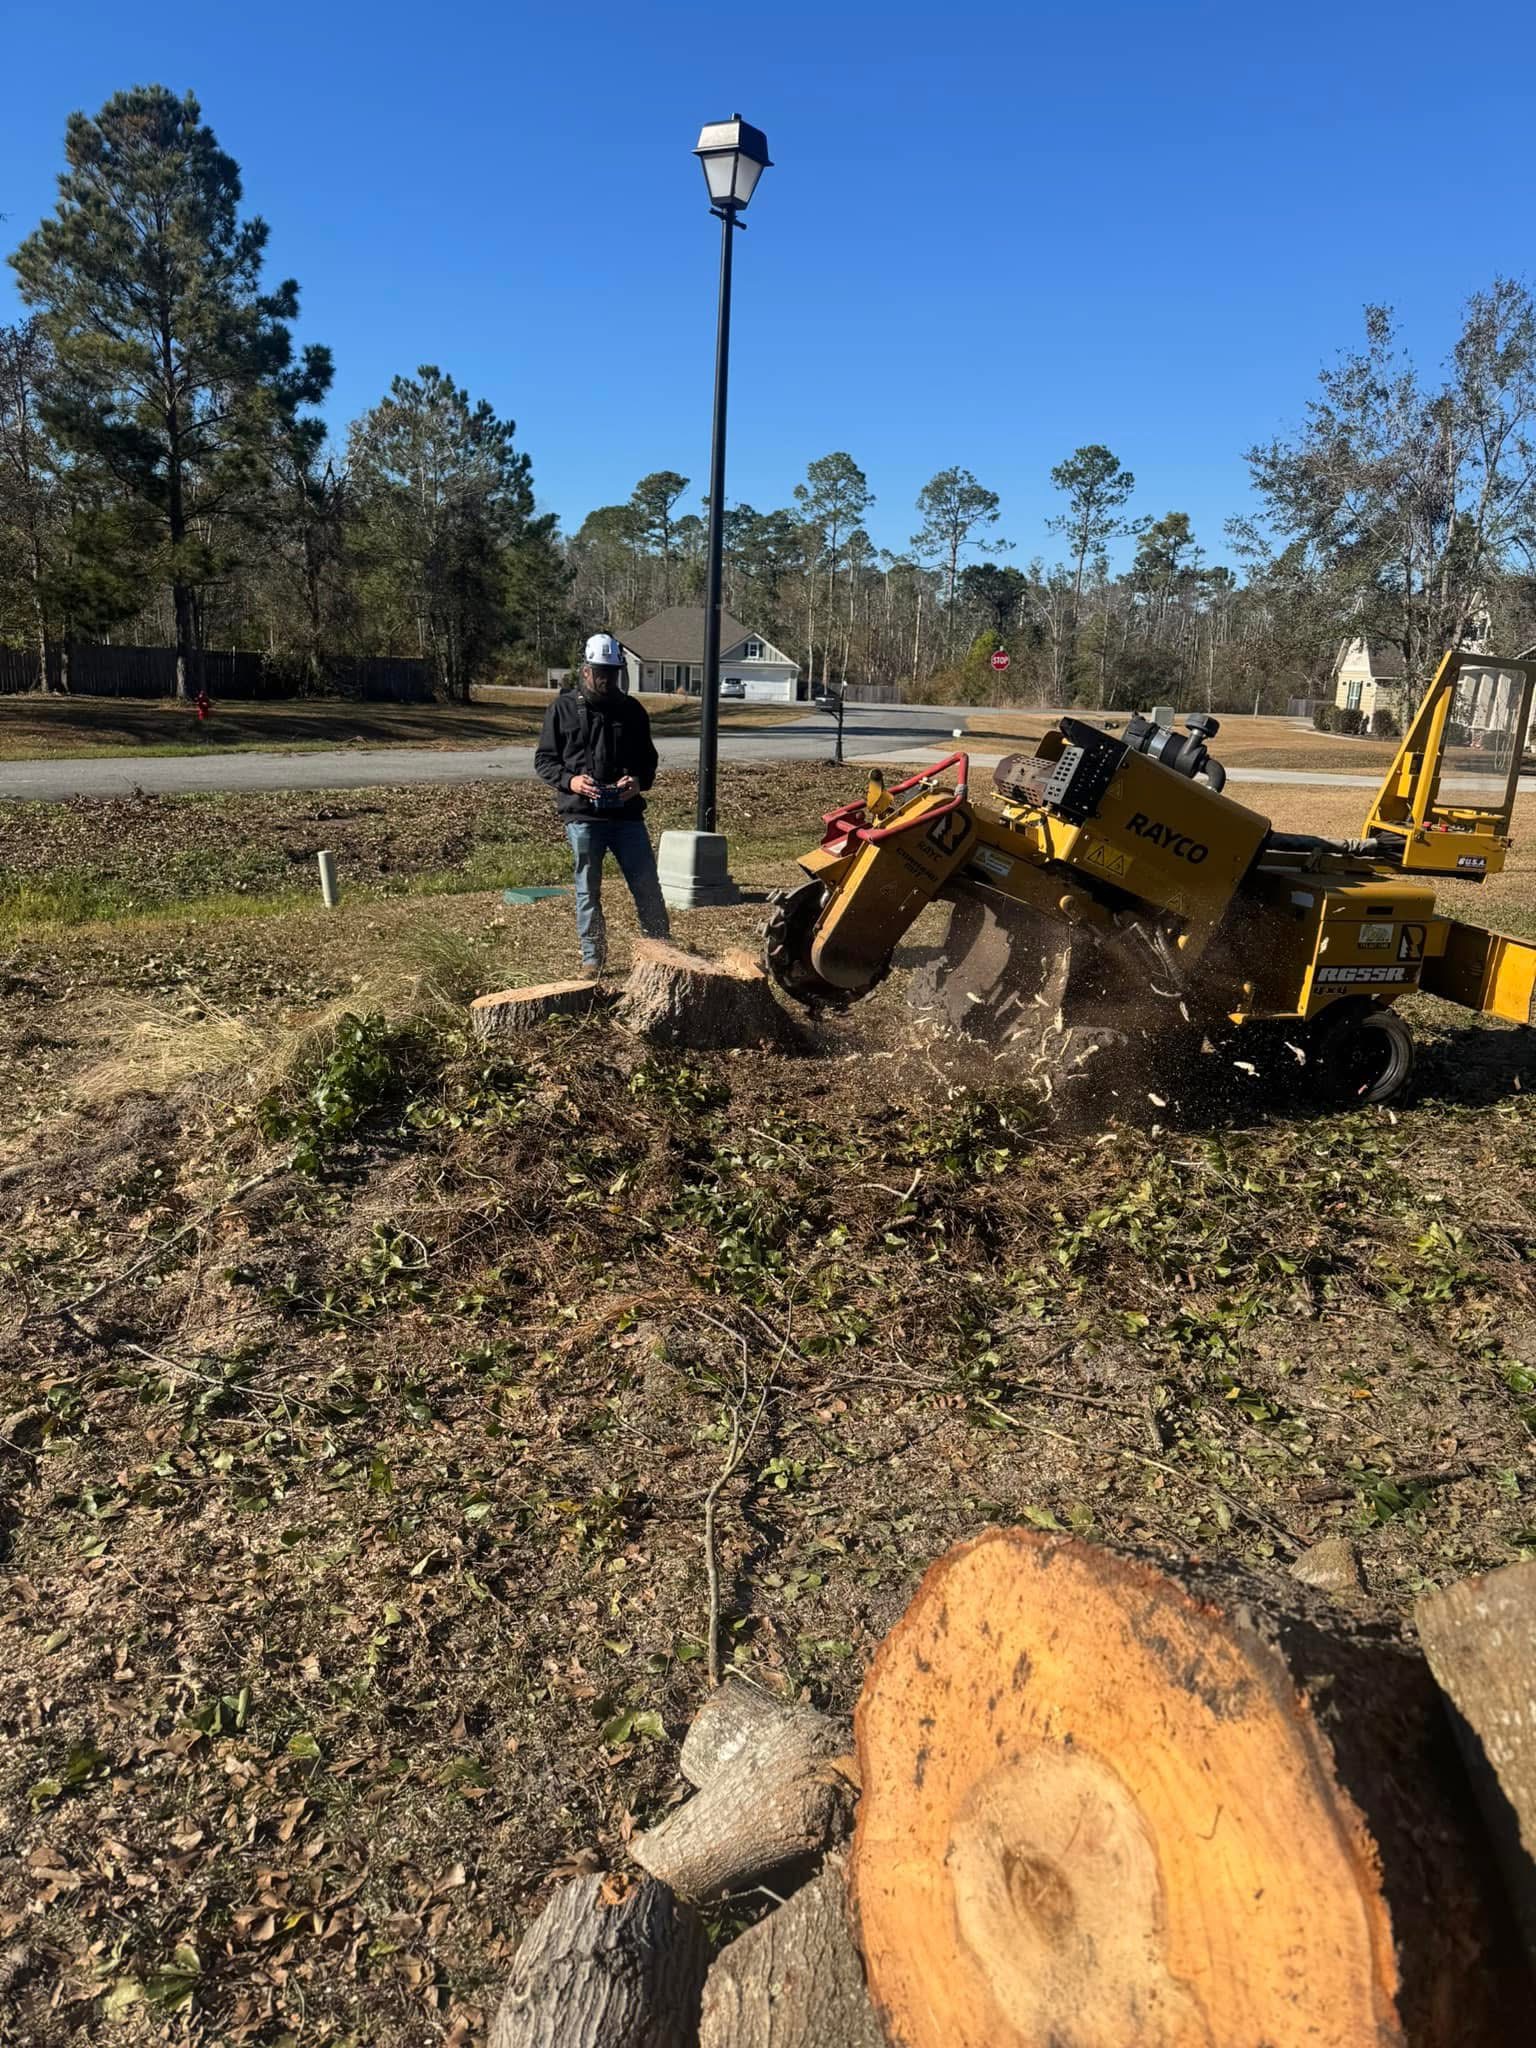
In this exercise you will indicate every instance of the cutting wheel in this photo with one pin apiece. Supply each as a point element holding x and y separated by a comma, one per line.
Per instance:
<point>787,951</point>
<point>999,968</point>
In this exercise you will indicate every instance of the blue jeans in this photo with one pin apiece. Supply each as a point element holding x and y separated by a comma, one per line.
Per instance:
<point>591,841</point>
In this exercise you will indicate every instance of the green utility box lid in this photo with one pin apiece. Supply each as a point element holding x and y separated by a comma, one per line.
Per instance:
<point>530,895</point>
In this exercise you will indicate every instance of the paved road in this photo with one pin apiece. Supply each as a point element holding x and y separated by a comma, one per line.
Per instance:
<point>874,735</point>
<point>799,738</point>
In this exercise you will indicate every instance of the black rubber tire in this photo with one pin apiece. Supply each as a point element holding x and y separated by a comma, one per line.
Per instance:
<point>1361,1052</point>
<point>787,952</point>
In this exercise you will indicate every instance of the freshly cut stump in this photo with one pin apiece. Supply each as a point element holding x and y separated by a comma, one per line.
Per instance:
<point>609,1963</point>
<point>1480,1638</point>
<point>1104,1805</point>
<point>775,1787</point>
<point>794,1980</point>
<point>678,998</point>
<point>519,1009</point>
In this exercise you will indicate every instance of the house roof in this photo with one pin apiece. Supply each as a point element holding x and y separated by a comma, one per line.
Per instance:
<point>677,634</point>
<point>1385,657</point>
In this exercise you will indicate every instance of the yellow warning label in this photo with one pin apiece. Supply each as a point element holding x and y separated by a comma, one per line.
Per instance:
<point>1106,859</point>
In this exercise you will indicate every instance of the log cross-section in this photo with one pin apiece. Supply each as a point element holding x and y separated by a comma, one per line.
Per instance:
<point>1106,1803</point>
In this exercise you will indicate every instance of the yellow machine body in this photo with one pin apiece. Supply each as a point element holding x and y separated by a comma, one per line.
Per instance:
<point>1319,936</point>
<point>883,883</point>
<point>1132,841</point>
<point>1484,971</point>
<point>1154,835</point>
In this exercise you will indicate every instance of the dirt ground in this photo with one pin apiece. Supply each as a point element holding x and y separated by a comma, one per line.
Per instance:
<point>53,728</point>
<point>360,1389</point>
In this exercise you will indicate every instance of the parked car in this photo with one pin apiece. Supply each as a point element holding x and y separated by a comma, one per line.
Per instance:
<point>733,686</point>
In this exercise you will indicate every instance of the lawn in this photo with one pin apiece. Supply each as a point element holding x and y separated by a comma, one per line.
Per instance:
<point>360,1387</point>
<point>1242,742</point>
<point>83,728</point>
<point>89,858</point>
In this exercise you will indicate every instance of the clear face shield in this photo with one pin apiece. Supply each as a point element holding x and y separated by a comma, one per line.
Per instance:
<point>1482,728</point>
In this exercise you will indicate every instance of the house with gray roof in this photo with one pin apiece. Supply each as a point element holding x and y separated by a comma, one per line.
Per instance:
<point>667,653</point>
<point>1368,674</point>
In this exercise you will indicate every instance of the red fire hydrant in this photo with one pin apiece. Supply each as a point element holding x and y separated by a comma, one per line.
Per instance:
<point>204,705</point>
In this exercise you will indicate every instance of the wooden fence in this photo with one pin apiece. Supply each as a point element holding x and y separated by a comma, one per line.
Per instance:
<point>151,672</point>
<point>873,693</point>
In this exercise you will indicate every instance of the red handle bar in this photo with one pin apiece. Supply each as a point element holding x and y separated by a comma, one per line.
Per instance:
<point>840,823</point>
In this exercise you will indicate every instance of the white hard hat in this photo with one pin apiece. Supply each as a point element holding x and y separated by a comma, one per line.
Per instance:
<point>603,651</point>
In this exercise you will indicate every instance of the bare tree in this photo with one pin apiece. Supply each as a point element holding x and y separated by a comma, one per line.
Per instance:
<point>27,472</point>
<point>1410,503</point>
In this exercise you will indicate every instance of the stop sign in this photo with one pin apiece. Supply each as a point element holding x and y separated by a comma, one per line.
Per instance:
<point>999,660</point>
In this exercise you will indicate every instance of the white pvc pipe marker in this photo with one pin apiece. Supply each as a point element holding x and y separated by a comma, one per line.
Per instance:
<point>330,896</point>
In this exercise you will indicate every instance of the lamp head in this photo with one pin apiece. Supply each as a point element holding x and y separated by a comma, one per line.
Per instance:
<point>734,155</point>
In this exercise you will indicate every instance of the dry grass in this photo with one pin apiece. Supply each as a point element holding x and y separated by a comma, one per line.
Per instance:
<point>1242,742</point>
<point>161,1050</point>
<point>58,728</point>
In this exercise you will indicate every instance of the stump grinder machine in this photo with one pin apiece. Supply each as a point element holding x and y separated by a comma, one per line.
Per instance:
<point>1111,886</point>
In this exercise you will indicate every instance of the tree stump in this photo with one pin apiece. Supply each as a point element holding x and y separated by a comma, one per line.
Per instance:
<point>518,1009</point>
<point>1104,1804</point>
<point>794,1980</point>
<point>678,998</point>
<point>609,1963</point>
<point>1480,1638</point>
<point>775,1787</point>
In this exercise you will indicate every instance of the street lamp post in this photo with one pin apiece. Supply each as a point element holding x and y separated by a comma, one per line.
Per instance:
<point>734,155</point>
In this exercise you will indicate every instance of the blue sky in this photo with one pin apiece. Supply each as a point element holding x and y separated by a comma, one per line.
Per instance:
<point>991,233</point>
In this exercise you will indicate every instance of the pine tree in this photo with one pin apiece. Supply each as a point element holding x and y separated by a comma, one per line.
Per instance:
<point>1097,488</point>
<point>953,505</point>
<point>175,367</point>
<point>654,499</point>
<point>833,499</point>
<point>443,495</point>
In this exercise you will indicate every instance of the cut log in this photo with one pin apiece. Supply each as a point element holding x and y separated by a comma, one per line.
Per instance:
<point>737,1713</point>
<point>609,1963</point>
<point>1103,1804</point>
<point>1480,1638</point>
<point>771,1794</point>
<point>678,998</point>
<point>519,1009</point>
<point>795,1980</point>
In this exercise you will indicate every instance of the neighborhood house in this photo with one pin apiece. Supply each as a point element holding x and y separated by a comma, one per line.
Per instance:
<point>1369,676</point>
<point>667,653</point>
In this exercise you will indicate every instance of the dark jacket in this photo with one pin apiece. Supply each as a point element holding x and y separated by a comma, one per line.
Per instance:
<point>604,737</point>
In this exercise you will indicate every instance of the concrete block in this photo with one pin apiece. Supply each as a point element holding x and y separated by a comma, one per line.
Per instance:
<point>692,867</point>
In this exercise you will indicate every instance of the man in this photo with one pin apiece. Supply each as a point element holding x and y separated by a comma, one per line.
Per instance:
<point>596,753</point>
